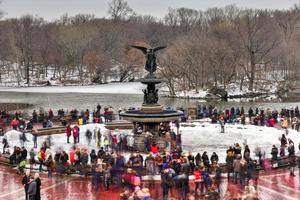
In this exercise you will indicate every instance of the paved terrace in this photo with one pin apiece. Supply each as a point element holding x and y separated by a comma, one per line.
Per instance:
<point>273,185</point>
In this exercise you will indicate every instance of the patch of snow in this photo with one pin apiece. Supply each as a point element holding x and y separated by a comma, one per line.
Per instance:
<point>111,88</point>
<point>200,137</point>
<point>192,94</point>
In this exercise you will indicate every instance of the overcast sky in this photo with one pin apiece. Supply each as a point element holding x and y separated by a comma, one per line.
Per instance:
<point>53,9</point>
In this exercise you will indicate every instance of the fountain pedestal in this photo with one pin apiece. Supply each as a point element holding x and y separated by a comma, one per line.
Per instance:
<point>150,115</point>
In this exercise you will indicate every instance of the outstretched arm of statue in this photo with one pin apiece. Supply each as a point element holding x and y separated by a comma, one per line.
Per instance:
<point>143,49</point>
<point>159,48</point>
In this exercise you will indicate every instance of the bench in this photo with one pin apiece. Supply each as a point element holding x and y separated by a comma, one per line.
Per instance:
<point>49,131</point>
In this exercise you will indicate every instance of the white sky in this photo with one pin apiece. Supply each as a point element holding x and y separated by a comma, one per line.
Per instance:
<point>53,9</point>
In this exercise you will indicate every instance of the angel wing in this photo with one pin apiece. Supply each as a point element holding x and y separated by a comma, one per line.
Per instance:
<point>143,49</point>
<point>159,48</point>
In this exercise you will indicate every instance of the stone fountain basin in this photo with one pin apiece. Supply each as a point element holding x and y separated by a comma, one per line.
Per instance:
<point>162,116</point>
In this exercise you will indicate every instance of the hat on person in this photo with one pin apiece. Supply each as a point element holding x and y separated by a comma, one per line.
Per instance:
<point>165,166</point>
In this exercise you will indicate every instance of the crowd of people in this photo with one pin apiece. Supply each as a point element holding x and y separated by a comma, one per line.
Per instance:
<point>17,120</point>
<point>285,117</point>
<point>110,165</point>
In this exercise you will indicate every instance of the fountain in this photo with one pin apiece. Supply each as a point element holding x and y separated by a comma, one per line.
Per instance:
<point>151,113</point>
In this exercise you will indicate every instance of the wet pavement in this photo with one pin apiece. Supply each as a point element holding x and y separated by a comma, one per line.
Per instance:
<point>272,185</point>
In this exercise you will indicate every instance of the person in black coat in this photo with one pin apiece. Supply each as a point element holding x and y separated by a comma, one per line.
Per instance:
<point>182,185</point>
<point>274,153</point>
<point>93,156</point>
<point>205,159</point>
<point>283,140</point>
<point>167,181</point>
<point>25,182</point>
<point>214,157</point>
<point>250,112</point>
<point>23,153</point>
<point>198,159</point>
<point>292,160</point>
<point>32,189</point>
<point>38,186</point>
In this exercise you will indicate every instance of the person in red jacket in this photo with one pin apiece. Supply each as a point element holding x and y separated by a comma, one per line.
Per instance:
<point>14,123</point>
<point>68,132</point>
<point>154,148</point>
<point>41,157</point>
<point>198,179</point>
<point>72,155</point>
<point>272,122</point>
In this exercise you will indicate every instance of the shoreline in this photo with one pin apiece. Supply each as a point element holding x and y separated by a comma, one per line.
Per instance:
<point>14,106</point>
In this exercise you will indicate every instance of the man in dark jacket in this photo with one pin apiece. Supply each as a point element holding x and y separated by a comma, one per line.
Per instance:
<point>38,186</point>
<point>23,153</point>
<point>274,153</point>
<point>182,185</point>
<point>32,190</point>
<point>167,181</point>
<point>25,182</point>
<point>205,159</point>
<point>292,160</point>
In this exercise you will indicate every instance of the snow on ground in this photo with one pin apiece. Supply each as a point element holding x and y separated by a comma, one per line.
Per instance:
<point>192,94</point>
<point>197,137</point>
<point>58,140</point>
<point>111,88</point>
<point>234,89</point>
<point>200,137</point>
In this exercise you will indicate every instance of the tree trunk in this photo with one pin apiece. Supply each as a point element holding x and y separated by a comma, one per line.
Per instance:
<point>46,71</point>
<point>27,73</point>
<point>171,88</point>
<point>54,72</point>
<point>252,71</point>
<point>252,77</point>
<point>241,84</point>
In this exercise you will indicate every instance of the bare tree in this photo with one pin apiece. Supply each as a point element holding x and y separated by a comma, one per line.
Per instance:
<point>119,9</point>
<point>23,33</point>
<point>257,41</point>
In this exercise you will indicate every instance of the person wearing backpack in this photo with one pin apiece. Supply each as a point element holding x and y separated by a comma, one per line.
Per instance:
<point>167,181</point>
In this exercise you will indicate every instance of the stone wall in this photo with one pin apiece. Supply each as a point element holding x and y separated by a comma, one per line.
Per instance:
<point>139,142</point>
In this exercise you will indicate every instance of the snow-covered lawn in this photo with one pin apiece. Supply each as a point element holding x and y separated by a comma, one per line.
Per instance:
<point>200,137</point>
<point>111,88</point>
<point>196,137</point>
<point>58,140</point>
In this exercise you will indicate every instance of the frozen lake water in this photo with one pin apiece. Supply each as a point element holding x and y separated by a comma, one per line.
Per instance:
<point>196,138</point>
<point>118,95</point>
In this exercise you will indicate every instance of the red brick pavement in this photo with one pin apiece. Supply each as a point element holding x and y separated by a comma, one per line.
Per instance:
<point>275,185</point>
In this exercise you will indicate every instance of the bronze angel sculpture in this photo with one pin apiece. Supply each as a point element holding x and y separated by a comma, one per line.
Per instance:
<point>150,55</point>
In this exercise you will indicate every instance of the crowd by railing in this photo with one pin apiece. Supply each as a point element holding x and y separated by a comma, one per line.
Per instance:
<point>109,166</point>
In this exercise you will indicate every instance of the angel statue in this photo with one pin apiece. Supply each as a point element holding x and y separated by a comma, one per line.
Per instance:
<point>150,54</point>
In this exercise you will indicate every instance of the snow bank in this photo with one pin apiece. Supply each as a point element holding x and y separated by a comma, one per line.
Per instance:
<point>58,140</point>
<point>197,137</point>
<point>111,88</point>
<point>200,137</point>
<point>192,94</point>
<point>13,137</point>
